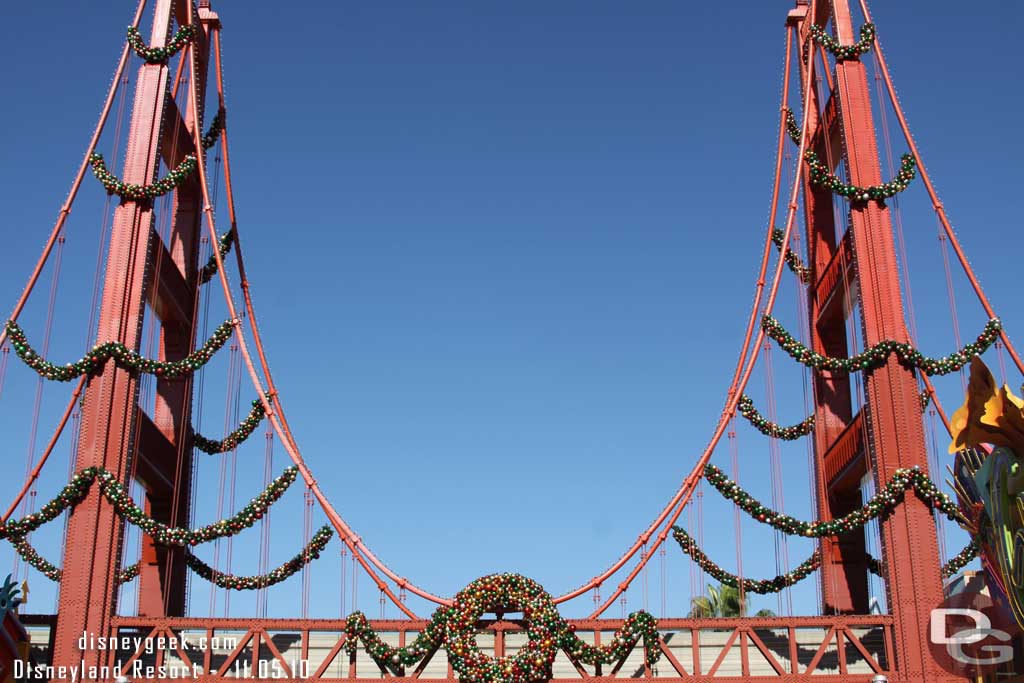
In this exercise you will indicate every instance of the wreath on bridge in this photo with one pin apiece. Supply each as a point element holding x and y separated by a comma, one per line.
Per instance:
<point>455,626</point>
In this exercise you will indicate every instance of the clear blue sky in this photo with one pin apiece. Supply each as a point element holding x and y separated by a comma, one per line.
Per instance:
<point>503,255</point>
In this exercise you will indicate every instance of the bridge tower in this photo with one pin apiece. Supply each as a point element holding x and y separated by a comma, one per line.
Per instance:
<point>858,273</point>
<point>144,274</point>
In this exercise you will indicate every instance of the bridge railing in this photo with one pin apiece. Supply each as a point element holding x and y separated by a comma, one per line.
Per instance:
<point>837,649</point>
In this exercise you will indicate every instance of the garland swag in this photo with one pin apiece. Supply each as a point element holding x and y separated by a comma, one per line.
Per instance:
<point>159,55</point>
<point>791,125</point>
<point>746,408</point>
<point>760,586</point>
<point>121,354</point>
<point>454,627</point>
<point>241,433</point>
<point>793,260</point>
<point>52,572</point>
<point>114,185</point>
<point>309,553</point>
<point>845,52</point>
<point>879,504</point>
<point>877,354</point>
<point>820,175</point>
<point>207,272</point>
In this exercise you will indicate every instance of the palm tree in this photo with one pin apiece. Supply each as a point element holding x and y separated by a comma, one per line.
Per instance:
<point>723,601</point>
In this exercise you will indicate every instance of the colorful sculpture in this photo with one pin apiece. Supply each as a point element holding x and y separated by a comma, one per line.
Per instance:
<point>990,484</point>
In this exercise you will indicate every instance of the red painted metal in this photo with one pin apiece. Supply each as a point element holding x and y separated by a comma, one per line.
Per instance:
<point>140,269</point>
<point>836,649</point>
<point>894,433</point>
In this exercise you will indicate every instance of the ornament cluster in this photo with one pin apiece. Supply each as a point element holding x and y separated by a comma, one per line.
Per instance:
<point>454,627</point>
<point>844,52</point>
<point>29,554</point>
<point>877,355</point>
<point>207,272</point>
<point>792,259</point>
<point>215,129</point>
<point>159,55</point>
<point>791,126</point>
<point>878,505</point>
<point>277,575</point>
<point>117,495</point>
<point>71,494</point>
<point>121,354</point>
<point>746,408</point>
<point>240,434</point>
<point>175,177</point>
<point>961,559</point>
<point>759,586</point>
<point>820,175</point>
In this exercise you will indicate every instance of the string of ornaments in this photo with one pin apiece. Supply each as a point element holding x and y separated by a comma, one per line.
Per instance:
<point>454,627</point>
<point>174,178</point>
<point>121,354</point>
<point>877,355</point>
<point>69,495</point>
<point>159,55</point>
<point>793,260</point>
<point>821,176</point>
<point>845,52</point>
<point>791,126</point>
<point>309,553</point>
<point>759,586</point>
<point>53,572</point>
<point>881,503</point>
<point>746,408</point>
<point>240,434</point>
<point>207,272</point>
<point>117,495</point>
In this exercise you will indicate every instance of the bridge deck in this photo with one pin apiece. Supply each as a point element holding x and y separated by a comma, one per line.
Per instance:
<point>782,649</point>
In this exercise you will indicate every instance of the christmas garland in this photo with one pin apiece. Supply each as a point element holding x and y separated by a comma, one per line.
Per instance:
<point>454,627</point>
<point>844,52</point>
<point>961,559</point>
<point>792,258</point>
<point>116,493</point>
<point>71,494</point>
<point>248,426</point>
<point>207,272</point>
<point>820,175</point>
<point>926,398</point>
<point>791,126</point>
<point>760,586</point>
<point>121,354</point>
<point>160,55</point>
<point>128,573</point>
<point>214,131</point>
<point>876,355</point>
<point>767,427</point>
<point>29,554</point>
<point>879,504</point>
<point>176,176</point>
<point>309,553</point>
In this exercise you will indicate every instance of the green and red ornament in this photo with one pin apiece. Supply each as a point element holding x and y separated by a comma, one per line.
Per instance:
<point>122,355</point>
<point>29,554</point>
<point>845,52</point>
<point>759,586</point>
<point>240,434</point>
<point>215,129</point>
<point>159,55</point>
<point>454,627</point>
<point>880,504</point>
<point>114,185</point>
<point>242,583</point>
<point>877,355</point>
<point>821,176</point>
<point>746,408</point>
